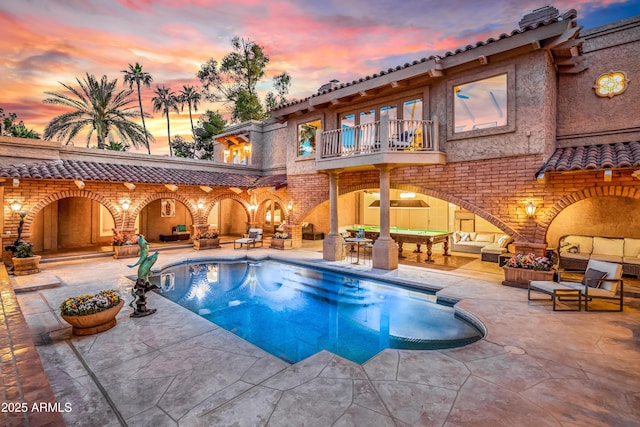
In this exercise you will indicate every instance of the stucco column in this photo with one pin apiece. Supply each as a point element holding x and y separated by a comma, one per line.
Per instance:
<point>385,249</point>
<point>332,244</point>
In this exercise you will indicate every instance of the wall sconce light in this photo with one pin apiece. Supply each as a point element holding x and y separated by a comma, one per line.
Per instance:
<point>171,187</point>
<point>125,203</point>
<point>290,206</point>
<point>130,185</point>
<point>206,188</point>
<point>16,182</point>
<point>15,206</point>
<point>200,205</point>
<point>608,174</point>
<point>530,209</point>
<point>79,183</point>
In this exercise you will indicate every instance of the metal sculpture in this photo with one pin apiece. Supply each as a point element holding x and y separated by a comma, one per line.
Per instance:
<point>142,286</point>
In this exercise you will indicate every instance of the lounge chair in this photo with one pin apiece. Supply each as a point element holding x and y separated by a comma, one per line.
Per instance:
<point>253,238</point>
<point>602,280</point>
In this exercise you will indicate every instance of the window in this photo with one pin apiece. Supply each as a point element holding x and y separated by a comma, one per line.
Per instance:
<point>307,137</point>
<point>481,104</point>
<point>238,155</point>
<point>391,111</point>
<point>347,123</point>
<point>412,110</point>
<point>611,84</point>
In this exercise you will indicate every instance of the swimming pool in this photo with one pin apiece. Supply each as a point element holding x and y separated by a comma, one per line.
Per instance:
<point>293,311</point>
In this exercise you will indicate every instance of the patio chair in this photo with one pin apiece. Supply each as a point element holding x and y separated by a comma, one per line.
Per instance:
<point>253,238</point>
<point>602,280</point>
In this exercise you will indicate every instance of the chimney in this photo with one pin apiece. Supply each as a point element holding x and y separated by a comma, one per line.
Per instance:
<point>333,84</point>
<point>538,16</point>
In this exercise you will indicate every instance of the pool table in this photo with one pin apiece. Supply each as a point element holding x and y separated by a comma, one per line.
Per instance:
<point>406,235</point>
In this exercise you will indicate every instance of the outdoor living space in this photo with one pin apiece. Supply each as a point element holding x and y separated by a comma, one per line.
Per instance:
<point>176,368</point>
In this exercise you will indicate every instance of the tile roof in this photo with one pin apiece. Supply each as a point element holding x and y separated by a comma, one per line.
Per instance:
<point>571,14</point>
<point>111,172</point>
<point>593,157</point>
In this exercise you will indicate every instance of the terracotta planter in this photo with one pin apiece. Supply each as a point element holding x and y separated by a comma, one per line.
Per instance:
<point>93,323</point>
<point>519,277</point>
<point>200,244</point>
<point>281,244</point>
<point>125,251</point>
<point>24,266</point>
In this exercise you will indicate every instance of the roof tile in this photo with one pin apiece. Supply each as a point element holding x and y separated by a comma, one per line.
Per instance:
<point>110,172</point>
<point>606,156</point>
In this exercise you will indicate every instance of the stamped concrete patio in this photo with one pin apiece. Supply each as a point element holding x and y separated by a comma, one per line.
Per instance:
<point>535,367</point>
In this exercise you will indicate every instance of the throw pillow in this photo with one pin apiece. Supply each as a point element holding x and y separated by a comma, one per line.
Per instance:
<point>253,234</point>
<point>593,278</point>
<point>182,228</point>
<point>464,237</point>
<point>574,249</point>
<point>456,238</point>
<point>503,241</point>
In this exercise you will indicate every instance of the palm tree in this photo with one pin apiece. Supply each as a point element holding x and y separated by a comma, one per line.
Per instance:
<point>98,108</point>
<point>135,75</point>
<point>190,96</point>
<point>164,101</point>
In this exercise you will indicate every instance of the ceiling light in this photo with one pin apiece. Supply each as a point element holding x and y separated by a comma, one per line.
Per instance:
<point>406,204</point>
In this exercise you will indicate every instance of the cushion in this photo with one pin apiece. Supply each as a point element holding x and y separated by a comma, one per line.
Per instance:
<point>253,234</point>
<point>592,277</point>
<point>481,237</point>
<point>503,241</point>
<point>182,228</point>
<point>473,235</point>
<point>573,249</point>
<point>464,237</point>
<point>605,246</point>
<point>456,237</point>
<point>584,244</point>
<point>631,247</point>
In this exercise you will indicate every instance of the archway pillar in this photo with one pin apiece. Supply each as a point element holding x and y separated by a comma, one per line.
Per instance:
<point>385,249</point>
<point>332,243</point>
<point>540,249</point>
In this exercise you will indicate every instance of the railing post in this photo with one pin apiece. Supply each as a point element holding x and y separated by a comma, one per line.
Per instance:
<point>319,145</point>
<point>384,133</point>
<point>435,133</point>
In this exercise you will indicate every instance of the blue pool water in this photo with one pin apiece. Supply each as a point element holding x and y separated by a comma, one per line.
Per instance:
<point>293,312</point>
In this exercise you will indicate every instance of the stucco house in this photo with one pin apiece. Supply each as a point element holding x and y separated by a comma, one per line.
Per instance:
<point>526,134</point>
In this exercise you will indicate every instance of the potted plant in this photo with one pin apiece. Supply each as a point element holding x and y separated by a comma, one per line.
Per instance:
<point>90,314</point>
<point>280,241</point>
<point>206,240</point>
<point>24,261</point>
<point>524,267</point>
<point>124,246</point>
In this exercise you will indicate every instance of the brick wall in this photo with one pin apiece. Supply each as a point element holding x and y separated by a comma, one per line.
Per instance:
<point>495,189</point>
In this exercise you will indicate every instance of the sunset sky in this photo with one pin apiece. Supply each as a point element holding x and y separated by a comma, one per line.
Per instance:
<point>45,42</point>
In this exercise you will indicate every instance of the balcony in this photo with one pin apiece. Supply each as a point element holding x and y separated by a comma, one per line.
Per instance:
<point>384,142</point>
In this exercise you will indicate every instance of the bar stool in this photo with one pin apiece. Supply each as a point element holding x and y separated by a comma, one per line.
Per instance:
<point>367,253</point>
<point>348,252</point>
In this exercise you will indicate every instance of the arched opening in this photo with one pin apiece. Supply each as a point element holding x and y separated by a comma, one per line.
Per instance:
<point>271,215</point>
<point>72,222</point>
<point>596,216</point>
<point>230,214</point>
<point>160,216</point>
